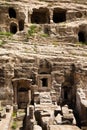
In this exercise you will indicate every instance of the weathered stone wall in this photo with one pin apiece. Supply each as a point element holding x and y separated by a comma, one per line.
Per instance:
<point>81,106</point>
<point>21,17</point>
<point>29,68</point>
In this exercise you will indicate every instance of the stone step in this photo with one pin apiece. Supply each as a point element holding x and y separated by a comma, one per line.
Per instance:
<point>45,98</point>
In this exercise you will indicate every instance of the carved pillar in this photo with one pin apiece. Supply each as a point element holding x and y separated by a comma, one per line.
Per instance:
<point>51,15</point>
<point>29,96</point>
<point>26,14</point>
<point>15,93</point>
<point>15,105</point>
<point>29,15</point>
<point>31,111</point>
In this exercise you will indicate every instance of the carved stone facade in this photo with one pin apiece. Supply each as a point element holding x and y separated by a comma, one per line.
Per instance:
<point>47,81</point>
<point>17,17</point>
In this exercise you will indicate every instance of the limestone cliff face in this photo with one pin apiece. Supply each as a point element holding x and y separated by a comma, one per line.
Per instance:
<point>58,27</point>
<point>43,57</point>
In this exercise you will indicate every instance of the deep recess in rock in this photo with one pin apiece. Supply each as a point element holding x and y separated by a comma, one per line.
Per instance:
<point>43,64</point>
<point>40,16</point>
<point>21,25</point>
<point>12,13</point>
<point>82,37</point>
<point>44,82</point>
<point>59,15</point>
<point>13,28</point>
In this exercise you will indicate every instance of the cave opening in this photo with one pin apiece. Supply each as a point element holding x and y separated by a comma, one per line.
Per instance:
<point>12,13</point>
<point>59,15</point>
<point>47,30</point>
<point>21,25</point>
<point>81,37</point>
<point>40,16</point>
<point>13,28</point>
<point>44,82</point>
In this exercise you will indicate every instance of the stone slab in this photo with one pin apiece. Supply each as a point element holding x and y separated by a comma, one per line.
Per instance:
<point>63,127</point>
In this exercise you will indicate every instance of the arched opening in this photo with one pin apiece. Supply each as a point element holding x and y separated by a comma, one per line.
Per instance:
<point>59,15</point>
<point>81,37</point>
<point>21,25</point>
<point>44,82</point>
<point>40,16</point>
<point>12,13</point>
<point>13,28</point>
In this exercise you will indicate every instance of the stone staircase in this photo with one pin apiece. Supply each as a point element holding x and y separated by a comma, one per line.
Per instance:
<point>45,98</point>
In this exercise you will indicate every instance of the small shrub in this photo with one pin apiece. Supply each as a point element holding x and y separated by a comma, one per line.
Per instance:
<point>14,125</point>
<point>1,43</point>
<point>84,43</point>
<point>81,43</point>
<point>6,33</point>
<point>55,44</point>
<point>44,35</point>
<point>32,30</point>
<point>14,114</point>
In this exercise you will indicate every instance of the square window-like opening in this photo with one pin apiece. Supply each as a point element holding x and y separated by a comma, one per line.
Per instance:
<point>40,16</point>
<point>44,82</point>
<point>59,15</point>
<point>82,37</point>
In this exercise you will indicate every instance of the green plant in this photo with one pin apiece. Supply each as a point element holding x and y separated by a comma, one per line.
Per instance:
<point>14,114</point>
<point>44,35</point>
<point>32,30</point>
<point>55,43</point>
<point>14,125</point>
<point>1,43</point>
<point>6,33</point>
<point>81,43</point>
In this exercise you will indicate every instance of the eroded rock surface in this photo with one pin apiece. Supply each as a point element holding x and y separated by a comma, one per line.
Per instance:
<point>43,63</point>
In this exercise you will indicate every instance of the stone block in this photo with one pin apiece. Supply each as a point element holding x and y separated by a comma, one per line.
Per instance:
<point>8,108</point>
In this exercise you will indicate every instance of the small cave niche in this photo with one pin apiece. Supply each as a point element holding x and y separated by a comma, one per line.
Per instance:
<point>44,67</point>
<point>13,28</point>
<point>21,25</point>
<point>78,15</point>
<point>47,30</point>
<point>59,15</point>
<point>40,16</point>
<point>12,13</point>
<point>81,37</point>
<point>44,82</point>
